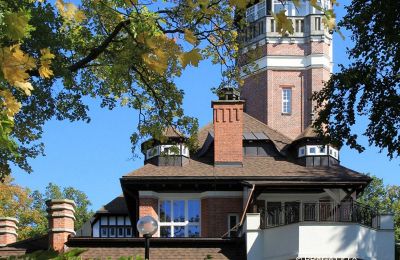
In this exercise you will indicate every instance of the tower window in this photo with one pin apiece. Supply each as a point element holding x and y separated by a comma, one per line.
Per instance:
<point>299,25</point>
<point>272,25</point>
<point>317,23</point>
<point>286,100</point>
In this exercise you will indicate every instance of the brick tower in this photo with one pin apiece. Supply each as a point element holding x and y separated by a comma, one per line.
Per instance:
<point>289,69</point>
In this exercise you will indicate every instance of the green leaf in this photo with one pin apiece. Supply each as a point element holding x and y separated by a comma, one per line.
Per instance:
<point>17,25</point>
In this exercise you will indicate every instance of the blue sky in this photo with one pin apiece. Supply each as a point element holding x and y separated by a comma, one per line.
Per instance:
<point>92,157</point>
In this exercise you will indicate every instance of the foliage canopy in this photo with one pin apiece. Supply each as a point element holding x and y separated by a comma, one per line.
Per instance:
<point>122,52</point>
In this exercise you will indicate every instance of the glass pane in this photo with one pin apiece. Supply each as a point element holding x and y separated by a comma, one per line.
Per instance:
<point>165,211</point>
<point>120,232</point>
<point>165,231</point>
<point>112,232</point>
<point>193,231</point>
<point>179,231</point>
<point>104,220</point>
<point>128,232</point>
<point>194,210</point>
<point>104,232</point>
<point>112,220</point>
<point>232,221</point>
<point>179,210</point>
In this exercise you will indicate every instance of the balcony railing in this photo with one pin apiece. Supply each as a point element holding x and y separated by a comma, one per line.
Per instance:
<point>295,212</point>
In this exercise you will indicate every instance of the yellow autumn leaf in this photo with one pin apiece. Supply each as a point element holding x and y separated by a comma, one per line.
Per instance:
<point>24,86</point>
<point>69,11</point>
<point>15,64</point>
<point>11,105</point>
<point>190,37</point>
<point>45,61</point>
<point>192,57</point>
<point>283,23</point>
<point>241,4</point>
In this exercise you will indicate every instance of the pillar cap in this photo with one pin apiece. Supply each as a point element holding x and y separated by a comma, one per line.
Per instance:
<point>9,219</point>
<point>60,201</point>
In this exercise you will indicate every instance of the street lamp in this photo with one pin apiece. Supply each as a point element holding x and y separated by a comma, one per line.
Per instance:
<point>147,226</point>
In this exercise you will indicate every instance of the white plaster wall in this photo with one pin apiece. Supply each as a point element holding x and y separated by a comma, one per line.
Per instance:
<point>316,239</point>
<point>281,243</point>
<point>96,229</point>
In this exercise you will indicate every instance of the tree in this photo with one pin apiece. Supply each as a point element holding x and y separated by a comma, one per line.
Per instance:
<point>122,52</point>
<point>386,199</point>
<point>370,85</point>
<point>30,208</point>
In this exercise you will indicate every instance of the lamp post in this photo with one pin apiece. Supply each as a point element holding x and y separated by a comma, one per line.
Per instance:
<point>147,226</point>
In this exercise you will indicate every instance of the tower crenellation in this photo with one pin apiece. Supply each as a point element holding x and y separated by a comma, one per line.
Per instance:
<point>288,68</point>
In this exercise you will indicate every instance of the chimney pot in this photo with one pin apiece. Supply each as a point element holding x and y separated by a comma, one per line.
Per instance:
<point>61,222</point>
<point>8,231</point>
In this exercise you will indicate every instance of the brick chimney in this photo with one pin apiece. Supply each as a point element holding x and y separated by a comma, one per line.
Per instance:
<point>61,222</point>
<point>228,128</point>
<point>8,231</point>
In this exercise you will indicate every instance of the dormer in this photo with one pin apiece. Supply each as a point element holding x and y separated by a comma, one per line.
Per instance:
<point>310,151</point>
<point>170,151</point>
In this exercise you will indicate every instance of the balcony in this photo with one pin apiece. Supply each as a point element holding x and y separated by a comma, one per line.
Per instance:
<point>319,230</point>
<point>295,212</point>
<point>304,26</point>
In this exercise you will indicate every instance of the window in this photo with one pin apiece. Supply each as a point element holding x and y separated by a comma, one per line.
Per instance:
<point>312,150</point>
<point>299,25</point>
<point>302,151</point>
<point>233,220</point>
<point>115,226</point>
<point>272,25</point>
<point>286,100</point>
<point>317,23</point>
<point>179,218</point>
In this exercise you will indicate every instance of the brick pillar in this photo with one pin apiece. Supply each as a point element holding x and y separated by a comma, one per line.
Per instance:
<point>228,132</point>
<point>8,231</point>
<point>61,222</point>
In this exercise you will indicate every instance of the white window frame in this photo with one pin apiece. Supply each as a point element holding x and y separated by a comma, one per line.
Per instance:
<point>184,224</point>
<point>229,221</point>
<point>287,100</point>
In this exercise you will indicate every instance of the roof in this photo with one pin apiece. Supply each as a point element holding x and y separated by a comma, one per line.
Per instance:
<point>116,206</point>
<point>250,126</point>
<point>25,246</point>
<point>172,132</point>
<point>309,132</point>
<point>266,167</point>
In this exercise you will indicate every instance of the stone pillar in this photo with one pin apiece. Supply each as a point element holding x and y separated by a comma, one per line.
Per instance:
<point>61,222</point>
<point>8,231</point>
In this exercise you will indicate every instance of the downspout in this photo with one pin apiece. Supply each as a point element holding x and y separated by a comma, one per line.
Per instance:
<point>244,212</point>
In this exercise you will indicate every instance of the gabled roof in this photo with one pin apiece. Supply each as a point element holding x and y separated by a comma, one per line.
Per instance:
<point>116,206</point>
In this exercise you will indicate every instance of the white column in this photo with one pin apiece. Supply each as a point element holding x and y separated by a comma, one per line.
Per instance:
<point>254,237</point>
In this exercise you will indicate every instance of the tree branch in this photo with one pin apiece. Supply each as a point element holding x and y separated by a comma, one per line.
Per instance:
<point>94,53</point>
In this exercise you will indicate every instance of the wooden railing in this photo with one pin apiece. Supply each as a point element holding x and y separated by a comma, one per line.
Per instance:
<point>295,212</point>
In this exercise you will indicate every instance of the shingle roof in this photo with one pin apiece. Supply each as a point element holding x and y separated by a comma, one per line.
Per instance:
<point>116,206</point>
<point>309,132</point>
<point>267,167</point>
<point>250,125</point>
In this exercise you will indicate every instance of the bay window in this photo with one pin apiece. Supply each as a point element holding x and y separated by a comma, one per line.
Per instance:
<point>179,218</point>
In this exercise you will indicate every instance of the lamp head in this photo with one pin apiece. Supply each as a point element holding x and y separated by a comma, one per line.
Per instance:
<point>147,225</point>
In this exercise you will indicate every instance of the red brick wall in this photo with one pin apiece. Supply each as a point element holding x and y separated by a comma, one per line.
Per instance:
<point>263,90</point>
<point>148,206</point>
<point>214,215</point>
<point>8,230</point>
<point>228,131</point>
<point>255,95</point>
